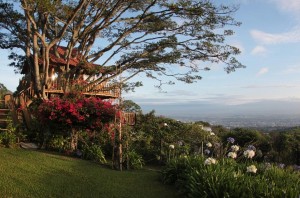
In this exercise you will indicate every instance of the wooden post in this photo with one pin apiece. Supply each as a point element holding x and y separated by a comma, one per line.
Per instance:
<point>120,144</point>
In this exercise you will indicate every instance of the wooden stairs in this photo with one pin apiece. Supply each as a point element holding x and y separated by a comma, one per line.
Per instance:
<point>8,113</point>
<point>5,116</point>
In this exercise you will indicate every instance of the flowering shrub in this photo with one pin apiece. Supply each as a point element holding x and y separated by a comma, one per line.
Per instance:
<point>230,179</point>
<point>82,112</point>
<point>73,113</point>
<point>197,176</point>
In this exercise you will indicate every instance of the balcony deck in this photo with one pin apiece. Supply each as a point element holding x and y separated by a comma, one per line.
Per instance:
<point>102,90</point>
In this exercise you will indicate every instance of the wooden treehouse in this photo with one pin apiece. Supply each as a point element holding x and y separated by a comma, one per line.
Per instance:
<point>82,76</point>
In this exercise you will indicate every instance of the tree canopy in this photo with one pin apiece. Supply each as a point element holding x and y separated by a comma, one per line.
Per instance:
<point>157,37</point>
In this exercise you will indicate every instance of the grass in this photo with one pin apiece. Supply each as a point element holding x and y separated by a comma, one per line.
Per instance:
<point>32,174</point>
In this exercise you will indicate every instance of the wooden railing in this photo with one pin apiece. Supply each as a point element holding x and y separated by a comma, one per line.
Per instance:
<point>26,95</point>
<point>102,89</point>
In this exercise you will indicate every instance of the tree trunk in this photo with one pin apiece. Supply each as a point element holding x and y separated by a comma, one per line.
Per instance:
<point>38,84</point>
<point>74,139</point>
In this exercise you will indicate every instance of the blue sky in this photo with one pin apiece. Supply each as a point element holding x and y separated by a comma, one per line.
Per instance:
<point>269,39</point>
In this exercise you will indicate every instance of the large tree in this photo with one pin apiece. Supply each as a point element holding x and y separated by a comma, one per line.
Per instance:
<point>156,37</point>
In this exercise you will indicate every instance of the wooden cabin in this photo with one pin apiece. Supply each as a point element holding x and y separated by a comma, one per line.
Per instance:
<point>57,82</point>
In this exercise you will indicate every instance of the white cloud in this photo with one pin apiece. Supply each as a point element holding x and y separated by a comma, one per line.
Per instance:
<point>268,38</point>
<point>272,86</point>
<point>292,69</point>
<point>262,71</point>
<point>259,50</point>
<point>290,6</point>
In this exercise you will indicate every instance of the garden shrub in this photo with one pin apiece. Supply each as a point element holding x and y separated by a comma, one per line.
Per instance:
<point>93,152</point>
<point>8,138</point>
<point>73,113</point>
<point>195,177</point>
<point>58,143</point>
<point>135,160</point>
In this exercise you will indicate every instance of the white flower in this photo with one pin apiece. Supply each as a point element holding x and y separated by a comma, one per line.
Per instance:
<point>209,144</point>
<point>171,146</point>
<point>210,161</point>
<point>251,169</point>
<point>235,148</point>
<point>232,155</point>
<point>212,133</point>
<point>165,124</point>
<point>249,154</point>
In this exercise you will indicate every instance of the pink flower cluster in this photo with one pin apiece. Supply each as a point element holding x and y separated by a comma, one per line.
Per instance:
<point>90,113</point>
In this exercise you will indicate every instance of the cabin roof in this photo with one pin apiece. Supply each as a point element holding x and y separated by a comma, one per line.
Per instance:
<point>61,61</point>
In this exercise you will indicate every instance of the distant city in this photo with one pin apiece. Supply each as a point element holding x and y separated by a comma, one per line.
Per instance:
<point>259,122</point>
<point>267,114</point>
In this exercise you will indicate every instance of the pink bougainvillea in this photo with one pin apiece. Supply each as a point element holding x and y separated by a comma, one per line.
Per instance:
<point>76,112</point>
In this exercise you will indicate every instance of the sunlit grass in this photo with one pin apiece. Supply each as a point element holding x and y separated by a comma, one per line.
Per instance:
<point>26,173</point>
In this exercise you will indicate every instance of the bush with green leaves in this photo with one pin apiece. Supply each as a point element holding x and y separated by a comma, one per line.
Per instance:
<point>58,143</point>
<point>93,152</point>
<point>135,160</point>
<point>8,138</point>
<point>200,177</point>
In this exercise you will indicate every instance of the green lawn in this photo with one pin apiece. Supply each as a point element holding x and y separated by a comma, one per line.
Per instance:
<point>26,173</point>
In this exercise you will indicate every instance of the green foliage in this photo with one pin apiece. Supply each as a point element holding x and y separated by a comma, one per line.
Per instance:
<point>244,136</point>
<point>58,143</point>
<point>152,136</point>
<point>286,146</point>
<point>93,152</point>
<point>227,178</point>
<point>130,106</point>
<point>135,160</point>
<point>10,135</point>
<point>142,36</point>
<point>8,138</point>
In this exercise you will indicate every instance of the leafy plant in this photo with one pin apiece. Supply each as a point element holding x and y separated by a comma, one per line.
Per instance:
<point>8,138</point>
<point>58,143</point>
<point>135,160</point>
<point>227,178</point>
<point>93,152</point>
